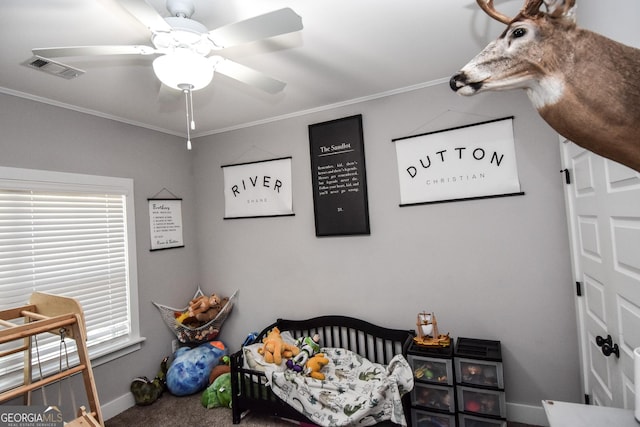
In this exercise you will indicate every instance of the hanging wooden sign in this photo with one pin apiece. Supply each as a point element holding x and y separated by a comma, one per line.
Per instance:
<point>165,222</point>
<point>467,162</point>
<point>258,189</point>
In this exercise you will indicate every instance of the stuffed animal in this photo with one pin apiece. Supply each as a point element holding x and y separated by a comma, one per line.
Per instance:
<point>201,310</point>
<point>274,348</point>
<point>189,372</point>
<point>308,347</point>
<point>222,368</point>
<point>146,392</point>
<point>206,308</point>
<point>218,394</point>
<point>202,303</point>
<point>315,365</point>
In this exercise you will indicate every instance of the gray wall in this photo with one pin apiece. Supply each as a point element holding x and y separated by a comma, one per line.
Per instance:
<point>616,19</point>
<point>39,136</point>
<point>492,269</point>
<point>496,269</point>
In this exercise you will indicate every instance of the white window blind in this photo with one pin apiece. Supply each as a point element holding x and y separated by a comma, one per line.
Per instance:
<point>69,239</point>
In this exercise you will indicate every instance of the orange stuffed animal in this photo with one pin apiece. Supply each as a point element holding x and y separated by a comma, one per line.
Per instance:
<point>315,365</point>
<point>206,308</point>
<point>274,348</point>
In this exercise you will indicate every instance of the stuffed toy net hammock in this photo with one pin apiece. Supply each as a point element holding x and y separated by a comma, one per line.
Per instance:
<point>204,333</point>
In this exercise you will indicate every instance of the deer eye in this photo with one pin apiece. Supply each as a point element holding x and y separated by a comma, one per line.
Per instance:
<point>519,32</point>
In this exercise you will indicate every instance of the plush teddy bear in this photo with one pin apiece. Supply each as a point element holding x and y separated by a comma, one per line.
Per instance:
<point>315,365</point>
<point>206,308</point>
<point>201,310</point>
<point>274,348</point>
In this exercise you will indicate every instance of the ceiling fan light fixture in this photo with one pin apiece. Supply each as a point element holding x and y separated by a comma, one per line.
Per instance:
<point>183,67</point>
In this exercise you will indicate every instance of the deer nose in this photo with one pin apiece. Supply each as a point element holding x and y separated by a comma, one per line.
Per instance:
<point>456,81</point>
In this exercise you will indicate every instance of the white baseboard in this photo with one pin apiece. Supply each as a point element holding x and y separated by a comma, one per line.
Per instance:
<point>527,414</point>
<point>117,405</point>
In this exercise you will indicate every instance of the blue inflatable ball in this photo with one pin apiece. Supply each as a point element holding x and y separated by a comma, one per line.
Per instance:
<point>190,369</point>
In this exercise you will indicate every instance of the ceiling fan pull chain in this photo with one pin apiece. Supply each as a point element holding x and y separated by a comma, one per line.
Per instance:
<point>193,123</point>
<point>187,93</point>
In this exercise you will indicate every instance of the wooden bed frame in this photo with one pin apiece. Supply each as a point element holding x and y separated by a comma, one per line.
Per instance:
<point>376,343</point>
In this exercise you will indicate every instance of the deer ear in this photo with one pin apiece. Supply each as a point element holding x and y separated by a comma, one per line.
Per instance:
<point>564,9</point>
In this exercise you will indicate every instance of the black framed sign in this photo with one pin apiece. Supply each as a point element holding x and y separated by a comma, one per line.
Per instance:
<point>338,177</point>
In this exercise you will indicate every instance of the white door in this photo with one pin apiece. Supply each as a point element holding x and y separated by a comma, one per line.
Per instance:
<point>603,208</point>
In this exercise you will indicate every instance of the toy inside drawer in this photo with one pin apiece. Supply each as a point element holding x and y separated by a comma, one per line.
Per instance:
<point>431,369</point>
<point>433,396</point>
<point>421,418</point>
<point>481,401</point>
<point>466,420</point>
<point>479,372</point>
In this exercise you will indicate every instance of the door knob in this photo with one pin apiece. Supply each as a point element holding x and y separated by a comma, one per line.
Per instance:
<point>602,341</point>
<point>608,350</point>
<point>608,347</point>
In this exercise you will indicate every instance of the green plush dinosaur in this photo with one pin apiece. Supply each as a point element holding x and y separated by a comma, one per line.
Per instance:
<point>218,394</point>
<point>146,392</point>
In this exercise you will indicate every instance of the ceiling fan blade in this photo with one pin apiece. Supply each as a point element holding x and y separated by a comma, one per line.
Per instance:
<point>54,52</point>
<point>249,76</point>
<point>270,24</point>
<point>146,14</point>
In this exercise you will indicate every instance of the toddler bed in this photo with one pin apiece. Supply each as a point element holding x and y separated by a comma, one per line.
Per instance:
<point>340,335</point>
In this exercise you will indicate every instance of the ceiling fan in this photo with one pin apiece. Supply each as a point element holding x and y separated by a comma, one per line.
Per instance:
<point>186,44</point>
<point>185,50</point>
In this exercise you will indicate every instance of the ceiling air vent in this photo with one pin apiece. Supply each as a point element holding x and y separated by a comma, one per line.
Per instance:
<point>53,67</point>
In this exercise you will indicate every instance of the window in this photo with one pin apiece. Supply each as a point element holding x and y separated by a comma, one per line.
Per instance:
<point>71,235</point>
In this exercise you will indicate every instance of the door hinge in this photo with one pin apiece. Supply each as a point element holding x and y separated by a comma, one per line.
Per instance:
<point>579,289</point>
<point>567,176</point>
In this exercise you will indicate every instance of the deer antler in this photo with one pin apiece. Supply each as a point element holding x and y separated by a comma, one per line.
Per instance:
<point>560,8</point>
<point>531,7</point>
<point>487,6</point>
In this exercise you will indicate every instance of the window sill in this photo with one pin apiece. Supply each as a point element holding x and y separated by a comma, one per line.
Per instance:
<point>113,353</point>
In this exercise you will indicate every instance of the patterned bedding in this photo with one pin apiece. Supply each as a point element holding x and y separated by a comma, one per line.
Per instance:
<point>355,391</point>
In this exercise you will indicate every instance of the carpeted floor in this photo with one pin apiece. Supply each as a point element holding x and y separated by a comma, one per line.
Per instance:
<point>173,411</point>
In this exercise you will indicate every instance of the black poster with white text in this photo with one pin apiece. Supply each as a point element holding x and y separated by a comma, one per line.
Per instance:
<point>339,177</point>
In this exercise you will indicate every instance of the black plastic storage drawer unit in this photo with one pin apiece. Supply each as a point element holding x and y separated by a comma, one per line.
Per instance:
<point>479,382</point>
<point>466,420</point>
<point>420,418</point>
<point>433,398</point>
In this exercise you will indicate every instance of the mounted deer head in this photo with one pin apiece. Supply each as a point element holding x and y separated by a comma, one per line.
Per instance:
<point>584,85</point>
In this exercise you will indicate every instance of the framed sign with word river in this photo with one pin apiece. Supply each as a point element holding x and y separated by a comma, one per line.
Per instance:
<point>258,189</point>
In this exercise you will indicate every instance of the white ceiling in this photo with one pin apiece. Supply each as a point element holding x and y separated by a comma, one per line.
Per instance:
<point>349,50</point>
